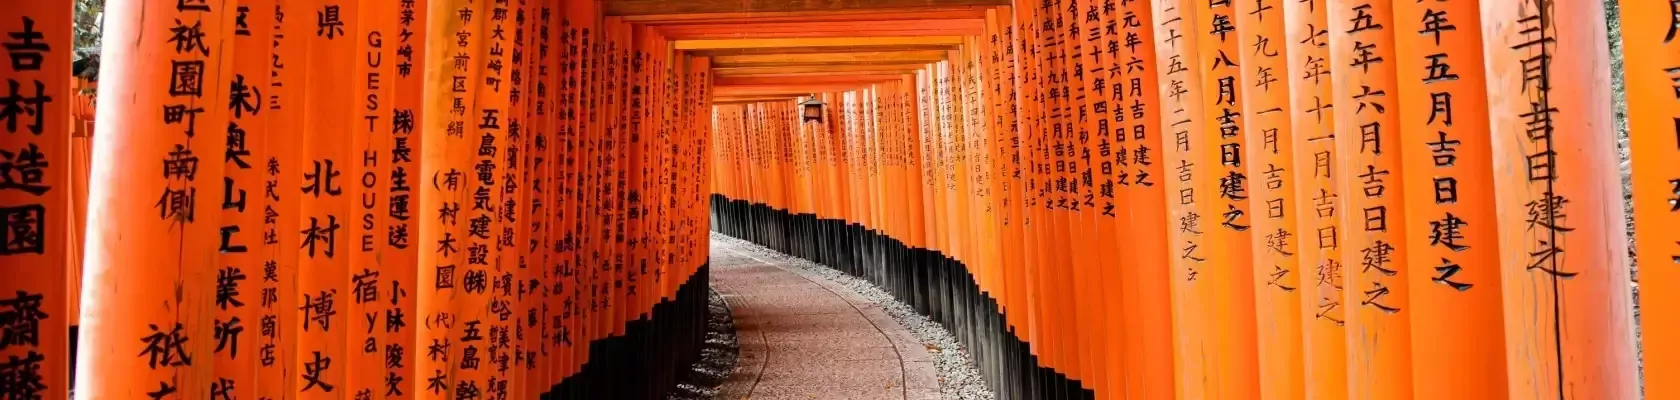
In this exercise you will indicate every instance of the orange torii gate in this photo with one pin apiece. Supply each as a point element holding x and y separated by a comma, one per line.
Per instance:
<point>452,199</point>
<point>345,288</point>
<point>1324,165</point>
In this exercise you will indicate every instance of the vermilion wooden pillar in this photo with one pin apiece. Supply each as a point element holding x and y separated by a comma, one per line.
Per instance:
<point>1562,238</point>
<point>443,302</point>
<point>287,110</point>
<point>370,291</point>
<point>327,223</point>
<point>35,201</point>
<point>1651,46</point>
<point>402,280</point>
<point>1182,124</point>
<point>1373,235</point>
<point>1275,241</point>
<point>1146,276</point>
<point>157,238</point>
<point>241,274</point>
<point>1457,332</point>
<point>1312,123</point>
<point>483,277</point>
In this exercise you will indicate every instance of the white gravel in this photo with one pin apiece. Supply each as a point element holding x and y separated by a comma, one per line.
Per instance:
<point>958,377</point>
<point>717,356</point>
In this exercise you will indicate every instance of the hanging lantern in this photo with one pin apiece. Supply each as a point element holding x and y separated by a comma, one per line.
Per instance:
<point>812,109</point>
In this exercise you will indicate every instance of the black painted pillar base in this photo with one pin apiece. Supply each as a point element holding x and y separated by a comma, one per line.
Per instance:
<point>654,353</point>
<point>931,283</point>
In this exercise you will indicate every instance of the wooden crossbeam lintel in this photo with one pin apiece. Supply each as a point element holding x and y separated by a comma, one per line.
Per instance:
<point>809,50</point>
<point>876,14</point>
<point>877,28</point>
<point>817,42</point>
<point>752,99</point>
<point>830,59</point>
<point>788,90</point>
<point>830,70</point>
<point>668,7</point>
<point>800,80</point>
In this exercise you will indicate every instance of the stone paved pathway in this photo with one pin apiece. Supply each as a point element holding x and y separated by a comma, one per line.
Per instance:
<point>804,337</point>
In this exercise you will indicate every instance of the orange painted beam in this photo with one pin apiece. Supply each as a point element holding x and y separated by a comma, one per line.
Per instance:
<point>924,27</point>
<point>873,14</point>
<point>901,32</point>
<point>829,59</point>
<point>829,70</point>
<point>785,89</point>
<point>819,49</point>
<point>805,80</point>
<point>836,42</point>
<point>662,7</point>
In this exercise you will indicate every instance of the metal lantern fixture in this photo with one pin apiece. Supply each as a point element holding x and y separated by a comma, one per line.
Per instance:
<point>811,109</point>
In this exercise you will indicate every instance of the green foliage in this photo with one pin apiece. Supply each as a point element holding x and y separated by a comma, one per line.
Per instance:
<point>87,22</point>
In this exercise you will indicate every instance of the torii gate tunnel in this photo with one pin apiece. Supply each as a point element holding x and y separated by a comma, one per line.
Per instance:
<point>1110,199</point>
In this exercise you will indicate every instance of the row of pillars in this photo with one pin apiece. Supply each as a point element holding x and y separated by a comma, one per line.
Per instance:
<point>1215,199</point>
<point>297,199</point>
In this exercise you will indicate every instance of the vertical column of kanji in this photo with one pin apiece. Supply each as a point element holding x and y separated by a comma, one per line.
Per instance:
<point>967,221</point>
<point>35,202</point>
<point>566,159</point>
<point>1015,194</point>
<point>514,194</point>
<point>1005,136</point>
<point>1561,232</point>
<point>1361,50</point>
<point>371,141</point>
<point>1265,102</point>
<point>1057,257</point>
<point>1181,116</point>
<point>455,33</point>
<point>625,53</point>
<point>154,243</point>
<point>1231,282</point>
<point>402,254</point>
<point>246,149</point>
<point>1458,341</point>
<point>328,186</point>
<point>1653,72</point>
<point>981,155</point>
<point>1145,279</point>
<point>590,229</point>
<point>705,141</point>
<point>1106,182</point>
<point>1089,110</point>
<point>1030,62</point>
<point>1312,139</point>
<point>1083,271</point>
<point>482,354</point>
<point>576,158</point>
<point>1071,131</point>
<point>288,77</point>
<point>544,191</point>
<point>665,103</point>
<point>611,160</point>
<point>592,205</point>
<point>635,141</point>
